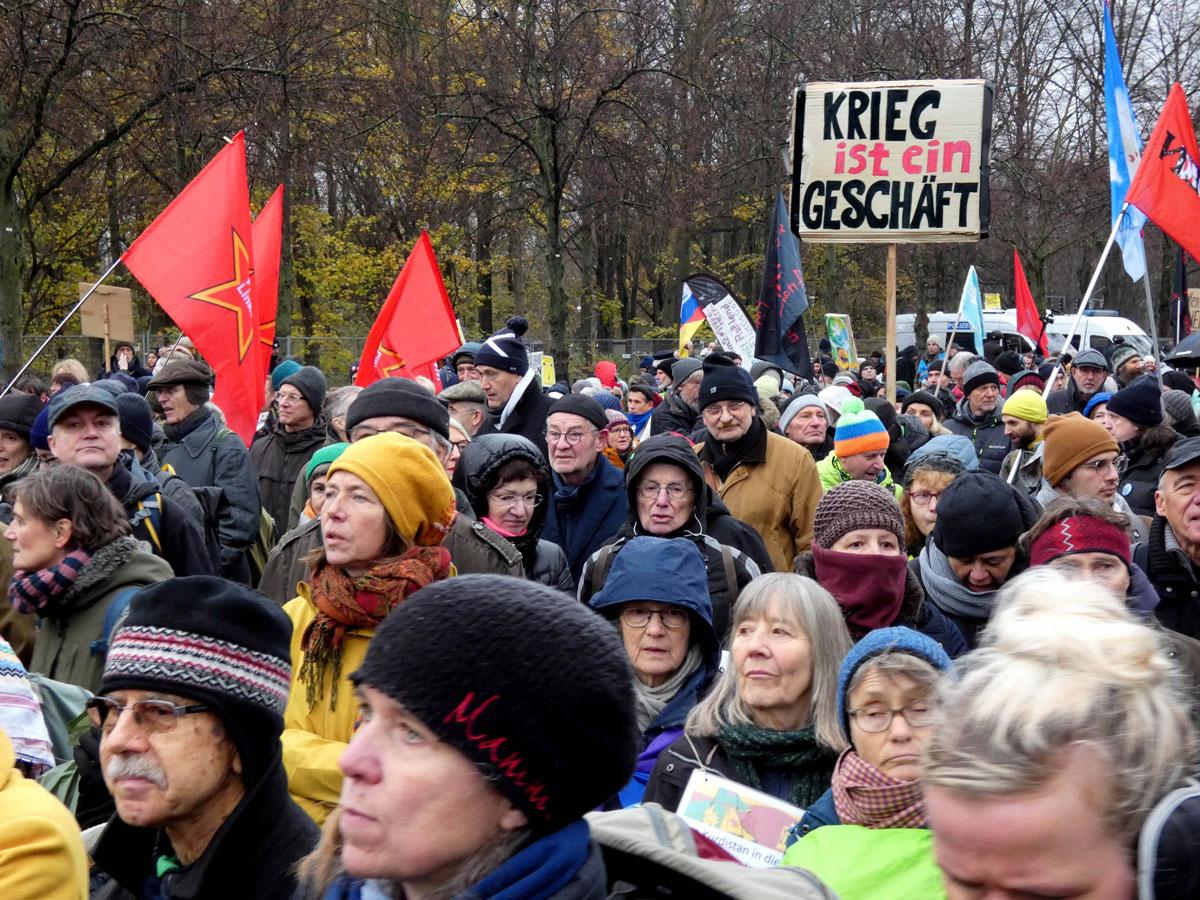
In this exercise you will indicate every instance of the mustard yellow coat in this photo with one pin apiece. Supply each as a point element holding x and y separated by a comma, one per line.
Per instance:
<point>41,852</point>
<point>313,739</point>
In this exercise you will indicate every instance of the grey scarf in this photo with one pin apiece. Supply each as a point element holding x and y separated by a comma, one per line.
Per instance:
<point>947,592</point>
<point>653,700</point>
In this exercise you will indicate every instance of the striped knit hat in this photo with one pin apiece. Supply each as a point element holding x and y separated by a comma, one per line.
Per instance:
<point>858,431</point>
<point>215,642</point>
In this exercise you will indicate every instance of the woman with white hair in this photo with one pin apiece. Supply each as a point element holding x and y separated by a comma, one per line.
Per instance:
<point>1060,736</point>
<point>770,721</point>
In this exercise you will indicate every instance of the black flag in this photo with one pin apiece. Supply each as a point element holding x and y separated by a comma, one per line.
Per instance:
<point>780,324</point>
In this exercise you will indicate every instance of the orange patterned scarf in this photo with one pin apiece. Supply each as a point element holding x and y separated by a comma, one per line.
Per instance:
<point>344,603</point>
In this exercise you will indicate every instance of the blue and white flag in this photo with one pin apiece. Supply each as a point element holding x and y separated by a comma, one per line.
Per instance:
<point>1124,154</point>
<point>970,308</point>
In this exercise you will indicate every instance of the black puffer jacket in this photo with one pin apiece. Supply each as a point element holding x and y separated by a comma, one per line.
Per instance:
<point>1142,464</point>
<point>986,432</point>
<point>478,470</point>
<point>711,528</point>
<point>673,415</point>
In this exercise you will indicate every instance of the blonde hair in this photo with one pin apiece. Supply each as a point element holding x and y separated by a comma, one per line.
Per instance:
<point>72,368</point>
<point>1064,666</point>
<point>813,610</point>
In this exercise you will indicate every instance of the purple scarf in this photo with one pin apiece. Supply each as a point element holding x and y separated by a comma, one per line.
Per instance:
<point>32,592</point>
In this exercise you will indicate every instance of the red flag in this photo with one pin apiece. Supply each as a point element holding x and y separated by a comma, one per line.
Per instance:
<point>267,232</point>
<point>1029,323</point>
<point>416,325</point>
<point>196,260</point>
<point>1167,184</point>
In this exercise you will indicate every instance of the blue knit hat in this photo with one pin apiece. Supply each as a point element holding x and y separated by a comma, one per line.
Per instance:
<point>859,431</point>
<point>897,639</point>
<point>283,370</point>
<point>1097,399</point>
<point>39,434</point>
<point>954,445</point>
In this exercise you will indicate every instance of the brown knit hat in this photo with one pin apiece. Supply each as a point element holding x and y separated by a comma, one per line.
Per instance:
<point>1070,441</point>
<point>852,505</point>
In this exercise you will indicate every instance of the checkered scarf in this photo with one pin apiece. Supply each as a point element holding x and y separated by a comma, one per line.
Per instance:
<point>863,795</point>
<point>32,592</point>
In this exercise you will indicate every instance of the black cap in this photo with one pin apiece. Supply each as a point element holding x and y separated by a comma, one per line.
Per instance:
<point>1182,453</point>
<point>582,406</point>
<point>79,395</point>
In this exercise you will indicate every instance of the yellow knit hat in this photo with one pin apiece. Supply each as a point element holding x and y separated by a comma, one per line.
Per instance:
<point>409,482</point>
<point>1027,405</point>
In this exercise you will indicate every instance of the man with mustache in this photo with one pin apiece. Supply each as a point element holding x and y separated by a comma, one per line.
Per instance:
<point>190,710</point>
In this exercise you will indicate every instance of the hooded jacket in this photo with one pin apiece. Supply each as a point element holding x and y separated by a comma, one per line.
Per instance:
<point>649,574</point>
<point>777,497</point>
<point>480,467</point>
<point>986,432</point>
<point>63,650</point>
<point>711,528</point>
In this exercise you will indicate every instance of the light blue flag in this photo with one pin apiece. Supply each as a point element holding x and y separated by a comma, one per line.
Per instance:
<point>1124,153</point>
<point>971,308</point>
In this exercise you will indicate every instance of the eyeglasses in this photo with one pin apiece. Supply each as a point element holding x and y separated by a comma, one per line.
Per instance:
<point>152,716</point>
<point>923,498</point>
<point>1100,465</point>
<point>290,398</point>
<point>717,410</point>
<point>877,717</point>
<point>648,490</point>
<point>571,437</point>
<point>532,501</point>
<point>461,445</point>
<point>637,617</point>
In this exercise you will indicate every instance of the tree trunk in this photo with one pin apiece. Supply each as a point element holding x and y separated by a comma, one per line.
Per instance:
<point>14,262</point>
<point>483,263</point>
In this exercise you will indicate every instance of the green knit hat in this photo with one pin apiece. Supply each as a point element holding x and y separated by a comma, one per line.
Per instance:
<point>323,457</point>
<point>858,431</point>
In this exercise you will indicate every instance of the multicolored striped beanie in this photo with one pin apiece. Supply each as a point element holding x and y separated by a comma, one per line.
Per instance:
<point>215,642</point>
<point>859,431</point>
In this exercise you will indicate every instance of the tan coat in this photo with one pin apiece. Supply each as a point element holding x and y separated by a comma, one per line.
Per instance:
<point>777,498</point>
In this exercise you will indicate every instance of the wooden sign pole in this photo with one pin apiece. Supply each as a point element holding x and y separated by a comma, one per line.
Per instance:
<point>107,335</point>
<point>891,324</point>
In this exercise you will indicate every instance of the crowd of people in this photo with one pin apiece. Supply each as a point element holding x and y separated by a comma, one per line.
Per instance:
<point>427,640</point>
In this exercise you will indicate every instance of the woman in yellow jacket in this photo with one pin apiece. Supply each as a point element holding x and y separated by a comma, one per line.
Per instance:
<point>388,505</point>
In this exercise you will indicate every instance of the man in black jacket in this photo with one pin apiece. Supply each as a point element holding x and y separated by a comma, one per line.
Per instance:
<point>295,435</point>
<point>978,416</point>
<point>678,412</point>
<point>85,430</point>
<point>190,711</point>
<point>1088,372</point>
<point>1171,555</point>
<point>515,401</point>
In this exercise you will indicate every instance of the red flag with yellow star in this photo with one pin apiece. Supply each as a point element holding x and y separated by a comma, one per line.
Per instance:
<point>416,325</point>
<point>268,242</point>
<point>197,261</point>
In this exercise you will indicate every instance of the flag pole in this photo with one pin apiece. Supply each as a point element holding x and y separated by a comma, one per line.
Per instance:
<point>59,327</point>
<point>950,335</point>
<point>1153,328</point>
<point>1087,297</point>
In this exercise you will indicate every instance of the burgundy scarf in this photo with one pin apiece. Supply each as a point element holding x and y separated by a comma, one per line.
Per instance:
<point>863,795</point>
<point>869,589</point>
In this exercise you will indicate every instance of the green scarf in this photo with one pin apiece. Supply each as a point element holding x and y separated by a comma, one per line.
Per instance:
<point>807,764</point>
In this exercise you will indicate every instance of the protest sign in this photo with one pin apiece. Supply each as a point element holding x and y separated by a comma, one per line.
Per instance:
<point>891,161</point>
<point>841,340</point>
<point>750,824</point>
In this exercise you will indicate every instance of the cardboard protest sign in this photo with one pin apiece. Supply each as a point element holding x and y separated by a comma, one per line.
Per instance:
<point>891,161</point>
<point>751,825</point>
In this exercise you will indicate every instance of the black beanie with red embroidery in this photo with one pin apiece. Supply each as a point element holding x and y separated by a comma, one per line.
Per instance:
<point>532,687</point>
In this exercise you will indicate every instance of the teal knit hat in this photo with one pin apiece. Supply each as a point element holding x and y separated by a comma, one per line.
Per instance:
<point>285,369</point>
<point>858,431</point>
<point>322,457</point>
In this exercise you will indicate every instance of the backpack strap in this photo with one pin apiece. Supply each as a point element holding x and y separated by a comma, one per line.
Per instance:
<point>115,612</point>
<point>730,571</point>
<point>600,567</point>
<point>149,513</point>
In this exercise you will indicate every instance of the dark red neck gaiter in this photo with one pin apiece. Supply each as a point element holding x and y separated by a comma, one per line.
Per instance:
<point>868,588</point>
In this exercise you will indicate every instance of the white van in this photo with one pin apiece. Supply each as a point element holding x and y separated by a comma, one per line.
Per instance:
<point>1098,329</point>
